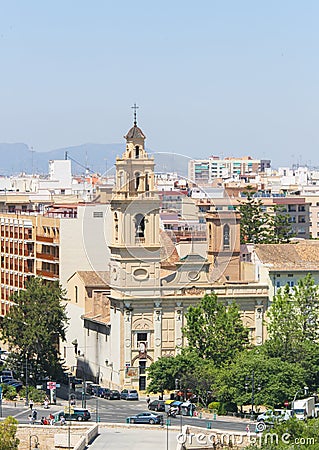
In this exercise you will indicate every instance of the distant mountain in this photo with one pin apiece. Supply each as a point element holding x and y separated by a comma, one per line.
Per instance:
<point>17,158</point>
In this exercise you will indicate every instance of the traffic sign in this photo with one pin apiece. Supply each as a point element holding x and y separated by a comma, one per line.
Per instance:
<point>51,385</point>
<point>286,403</point>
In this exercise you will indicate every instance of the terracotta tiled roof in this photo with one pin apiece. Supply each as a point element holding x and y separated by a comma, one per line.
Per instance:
<point>303,255</point>
<point>95,279</point>
<point>169,255</point>
<point>135,132</point>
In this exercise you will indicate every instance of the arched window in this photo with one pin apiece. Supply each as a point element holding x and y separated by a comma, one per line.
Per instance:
<point>116,227</point>
<point>137,151</point>
<point>121,179</point>
<point>139,227</point>
<point>137,180</point>
<point>210,234</point>
<point>147,186</point>
<point>226,236</point>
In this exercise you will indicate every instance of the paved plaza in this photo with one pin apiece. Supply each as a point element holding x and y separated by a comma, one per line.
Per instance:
<point>135,439</point>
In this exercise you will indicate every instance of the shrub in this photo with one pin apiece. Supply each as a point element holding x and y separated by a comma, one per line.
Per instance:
<point>214,405</point>
<point>37,395</point>
<point>8,392</point>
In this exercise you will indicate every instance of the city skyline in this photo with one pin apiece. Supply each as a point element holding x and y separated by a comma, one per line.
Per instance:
<point>231,78</point>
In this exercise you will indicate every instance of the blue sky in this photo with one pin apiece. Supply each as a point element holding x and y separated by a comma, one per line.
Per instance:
<point>221,77</point>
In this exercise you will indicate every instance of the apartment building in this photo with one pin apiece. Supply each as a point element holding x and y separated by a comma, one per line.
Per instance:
<point>29,247</point>
<point>53,244</point>
<point>205,171</point>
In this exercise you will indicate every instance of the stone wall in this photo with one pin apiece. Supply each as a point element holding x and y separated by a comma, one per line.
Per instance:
<point>50,437</point>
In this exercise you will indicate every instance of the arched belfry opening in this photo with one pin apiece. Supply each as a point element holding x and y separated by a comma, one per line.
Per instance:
<point>139,227</point>
<point>137,180</point>
<point>226,237</point>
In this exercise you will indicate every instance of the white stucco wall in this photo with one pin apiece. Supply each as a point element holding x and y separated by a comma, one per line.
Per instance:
<point>84,241</point>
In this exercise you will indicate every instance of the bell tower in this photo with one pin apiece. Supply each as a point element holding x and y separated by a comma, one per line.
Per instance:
<point>223,232</point>
<point>135,247</point>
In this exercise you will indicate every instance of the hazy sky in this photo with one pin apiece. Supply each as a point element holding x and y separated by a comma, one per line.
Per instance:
<point>229,78</point>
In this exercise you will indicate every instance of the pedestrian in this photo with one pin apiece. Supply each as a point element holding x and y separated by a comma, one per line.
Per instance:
<point>31,421</point>
<point>34,414</point>
<point>31,404</point>
<point>51,419</point>
<point>62,420</point>
<point>148,400</point>
<point>248,430</point>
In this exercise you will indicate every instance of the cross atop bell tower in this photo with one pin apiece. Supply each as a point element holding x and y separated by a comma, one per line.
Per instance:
<point>135,107</point>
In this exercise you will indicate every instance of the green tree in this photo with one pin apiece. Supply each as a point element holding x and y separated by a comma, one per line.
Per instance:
<point>259,227</point>
<point>280,229</point>
<point>33,326</point>
<point>163,372</point>
<point>283,326</point>
<point>215,331</point>
<point>8,430</point>
<point>293,320</point>
<point>254,222</point>
<point>274,380</point>
<point>305,296</point>
<point>290,435</point>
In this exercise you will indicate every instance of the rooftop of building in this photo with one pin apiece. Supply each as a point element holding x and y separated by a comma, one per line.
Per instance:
<point>95,279</point>
<point>300,255</point>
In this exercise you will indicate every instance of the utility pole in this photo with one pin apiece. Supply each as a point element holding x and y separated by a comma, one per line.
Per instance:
<point>26,380</point>
<point>252,379</point>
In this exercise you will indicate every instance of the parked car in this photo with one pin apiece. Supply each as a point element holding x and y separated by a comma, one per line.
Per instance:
<point>114,395</point>
<point>104,392</point>
<point>270,417</point>
<point>146,417</point>
<point>129,394</point>
<point>79,414</point>
<point>157,405</point>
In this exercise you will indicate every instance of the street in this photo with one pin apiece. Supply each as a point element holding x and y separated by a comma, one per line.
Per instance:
<point>116,411</point>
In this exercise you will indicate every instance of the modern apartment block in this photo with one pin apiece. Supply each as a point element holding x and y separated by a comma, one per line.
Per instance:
<point>52,244</point>
<point>205,171</point>
<point>29,247</point>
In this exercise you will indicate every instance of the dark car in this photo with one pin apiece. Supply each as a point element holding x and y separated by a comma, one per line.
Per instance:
<point>79,414</point>
<point>114,395</point>
<point>104,392</point>
<point>146,417</point>
<point>129,394</point>
<point>157,405</point>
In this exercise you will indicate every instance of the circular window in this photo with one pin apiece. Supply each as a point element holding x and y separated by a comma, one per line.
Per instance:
<point>140,274</point>
<point>193,276</point>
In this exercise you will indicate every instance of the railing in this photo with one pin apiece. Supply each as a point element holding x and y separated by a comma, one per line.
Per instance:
<point>47,256</point>
<point>44,239</point>
<point>46,274</point>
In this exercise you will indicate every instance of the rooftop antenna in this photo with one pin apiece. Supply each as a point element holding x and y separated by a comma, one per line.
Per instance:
<point>135,107</point>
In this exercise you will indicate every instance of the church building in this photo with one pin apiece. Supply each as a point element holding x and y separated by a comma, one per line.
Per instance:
<point>134,312</point>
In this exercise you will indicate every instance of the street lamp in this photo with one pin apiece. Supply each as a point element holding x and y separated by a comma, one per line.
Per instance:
<point>178,386</point>
<point>36,442</point>
<point>306,390</point>
<point>26,380</point>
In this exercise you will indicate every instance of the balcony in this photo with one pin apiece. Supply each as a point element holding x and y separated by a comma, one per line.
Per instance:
<point>47,256</point>
<point>44,239</point>
<point>46,274</point>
